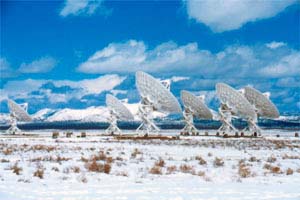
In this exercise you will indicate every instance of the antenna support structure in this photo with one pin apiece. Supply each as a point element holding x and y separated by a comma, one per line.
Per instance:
<point>113,128</point>
<point>145,113</point>
<point>226,119</point>
<point>189,127</point>
<point>13,129</point>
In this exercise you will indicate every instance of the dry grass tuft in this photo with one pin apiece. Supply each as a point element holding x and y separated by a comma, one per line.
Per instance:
<point>39,173</point>
<point>171,169</point>
<point>16,169</point>
<point>155,170</point>
<point>201,160</point>
<point>244,171</point>
<point>93,166</point>
<point>187,169</point>
<point>218,162</point>
<point>289,171</point>
<point>160,163</point>
<point>4,160</point>
<point>7,151</point>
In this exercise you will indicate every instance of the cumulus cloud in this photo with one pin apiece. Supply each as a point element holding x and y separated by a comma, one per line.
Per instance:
<point>80,7</point>
<point>234,61</point>
<point>179,78</point>
<point>226,15</point>
<point>50,92</point>
<point>274,44</point>
<point>42,65</point>
<point>5,69</point>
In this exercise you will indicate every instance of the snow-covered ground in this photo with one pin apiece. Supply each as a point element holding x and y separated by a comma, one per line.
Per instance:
<point>101,167</point>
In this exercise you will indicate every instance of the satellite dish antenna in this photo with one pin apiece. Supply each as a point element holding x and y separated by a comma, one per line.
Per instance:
<point>117,112</point>
<point>263,107</point>
<point>233,103</point>
<point>154,97</point>
<point>193,107</point>
<point>17,113</point>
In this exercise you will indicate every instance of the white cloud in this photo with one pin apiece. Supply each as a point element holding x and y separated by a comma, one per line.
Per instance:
<point>275,45</point>
<point>5,69</point>
<point>23,88</point>
<point>287,66</point>
<point>188,60</point>
<point>42,65</point>
<point>179,78</point>
<point>80,7</point>
<point>226,15</point>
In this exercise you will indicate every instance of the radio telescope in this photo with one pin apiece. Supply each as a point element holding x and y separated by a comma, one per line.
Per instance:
<point>193,107</point>
<point>263,107</point>
<point>117,112</point>
<point>154,97</point>
<point>17,113</point>
<point>233,103</point>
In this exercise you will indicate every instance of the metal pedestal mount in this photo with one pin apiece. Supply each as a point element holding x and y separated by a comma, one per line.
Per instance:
<point>144,112</point>
<point>189,127</point>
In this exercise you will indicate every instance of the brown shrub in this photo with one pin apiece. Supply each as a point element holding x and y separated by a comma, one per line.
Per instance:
<point>209,154</point>
<point>16,169</point>
<point>187,169</point>
<point>160,163</point>
<point>218,162</point>
<point>109,160</point>
<point>267,166</point>
<point>289,171</point>
<point>276,170</point>
<point>93,166</point>
<point>244,171</point>
<point>201,160</point>
<point>171,169</point>
<point>155,170</point>
<point>59,159</point>
<point>7,151</point>
<point>39,173</point>
<point>4,160</point>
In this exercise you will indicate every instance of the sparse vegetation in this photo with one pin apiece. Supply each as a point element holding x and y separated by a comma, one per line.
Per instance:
<point>201,160</point>
<point>160,162</point>
<point>171,169</point>
<point>218,162</point>
<point>39,173</point>
<point>155,170</point>
<point>94,166</point>
<point>16,169</point>
<point>289,171</point>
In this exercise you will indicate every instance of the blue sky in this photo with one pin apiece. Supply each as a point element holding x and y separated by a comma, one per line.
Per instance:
<point>60,54</point>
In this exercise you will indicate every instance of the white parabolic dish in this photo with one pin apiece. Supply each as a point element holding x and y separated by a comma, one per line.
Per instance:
<point>265,108</point>
<point>159,96</point>
<point>199,109</point>
<point>235,100</point>
<point>121,111</point>
<point>18,112</point>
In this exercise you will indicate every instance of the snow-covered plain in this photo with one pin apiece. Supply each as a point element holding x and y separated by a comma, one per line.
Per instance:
<point>189,168</point>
